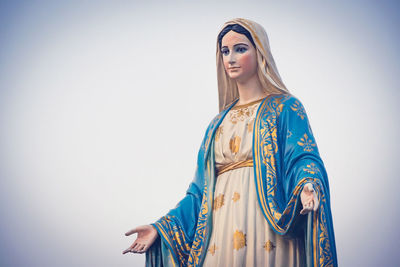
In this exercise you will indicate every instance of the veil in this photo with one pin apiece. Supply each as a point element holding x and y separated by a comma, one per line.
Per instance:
<point>267,71</point>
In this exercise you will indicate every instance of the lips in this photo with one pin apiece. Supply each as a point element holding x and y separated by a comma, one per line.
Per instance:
<point>234,68</point>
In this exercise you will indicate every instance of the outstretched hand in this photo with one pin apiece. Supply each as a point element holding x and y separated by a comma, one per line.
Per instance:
<point>146,235</point>
<point>309,199</point>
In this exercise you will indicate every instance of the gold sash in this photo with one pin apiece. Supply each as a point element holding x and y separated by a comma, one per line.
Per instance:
<point>234,165</point>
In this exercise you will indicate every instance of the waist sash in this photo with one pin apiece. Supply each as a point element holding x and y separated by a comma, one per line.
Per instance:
<point>234,165</point>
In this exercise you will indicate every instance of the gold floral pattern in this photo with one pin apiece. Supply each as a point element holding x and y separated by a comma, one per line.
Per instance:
<point>173,233</point>
<point>239,240</point>
<point>265,138</point>
<point>296,106</point>
<point>234,144</point>
<point>236,197</point>
<point>269,246</point>
<point>212,249</point>
<point>219,201</point>
<point>311,168</point>
<point>240,113</point>
<point>307,143</point>
<point>197,248</point>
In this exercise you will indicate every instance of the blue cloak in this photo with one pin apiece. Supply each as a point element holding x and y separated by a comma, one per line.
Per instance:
<point>285,157</point>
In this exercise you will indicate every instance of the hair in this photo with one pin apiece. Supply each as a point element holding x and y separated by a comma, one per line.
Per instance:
<point>236,28</point>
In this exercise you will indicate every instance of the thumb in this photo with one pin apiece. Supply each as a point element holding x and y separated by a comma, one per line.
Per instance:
<point>134,230</point>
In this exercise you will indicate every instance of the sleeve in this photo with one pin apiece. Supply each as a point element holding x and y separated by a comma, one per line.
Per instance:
<point>301,164</point>
<point>177,228</point>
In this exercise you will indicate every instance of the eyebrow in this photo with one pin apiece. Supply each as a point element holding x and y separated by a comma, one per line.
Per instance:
<point>235,45</point>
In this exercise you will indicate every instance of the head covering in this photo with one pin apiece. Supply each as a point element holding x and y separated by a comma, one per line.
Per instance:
<point>267,71</point>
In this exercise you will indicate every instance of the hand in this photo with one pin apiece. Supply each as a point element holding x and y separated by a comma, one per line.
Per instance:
<point>146,235</point>
<point>309,199</point>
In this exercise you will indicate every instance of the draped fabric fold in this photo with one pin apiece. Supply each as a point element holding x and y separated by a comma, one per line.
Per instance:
<point>285,158</point>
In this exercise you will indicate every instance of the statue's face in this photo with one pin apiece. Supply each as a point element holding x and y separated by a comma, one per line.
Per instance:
<point>239,56</point>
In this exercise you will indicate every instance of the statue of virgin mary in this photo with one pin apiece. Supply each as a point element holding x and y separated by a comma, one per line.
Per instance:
<point>245,205</point>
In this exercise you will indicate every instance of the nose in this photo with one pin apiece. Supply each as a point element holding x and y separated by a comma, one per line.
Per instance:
<point>232,59</point>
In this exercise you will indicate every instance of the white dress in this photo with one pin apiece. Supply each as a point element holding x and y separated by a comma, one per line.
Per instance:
<point>241,236</point>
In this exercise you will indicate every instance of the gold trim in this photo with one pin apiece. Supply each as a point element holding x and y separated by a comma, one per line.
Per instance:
<point>248,104</point>
<point>172,260</point>
<point>234,165</point>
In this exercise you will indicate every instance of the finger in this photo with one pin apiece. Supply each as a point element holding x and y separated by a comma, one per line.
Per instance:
<point>303,212</point>
<point>134,230</point>
<point>130,249</point>
<point>135,247</point>
<point>140,249</point>
<point>126,250</point>
<point>307,208</point>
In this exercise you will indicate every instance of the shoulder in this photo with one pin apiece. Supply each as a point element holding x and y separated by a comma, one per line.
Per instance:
<point>285,103</point>
<point>220,114</point>
<point>286,99</point>
<point>213,122</point>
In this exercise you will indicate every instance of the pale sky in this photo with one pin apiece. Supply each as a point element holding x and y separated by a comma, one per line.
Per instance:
<point>104,104</point>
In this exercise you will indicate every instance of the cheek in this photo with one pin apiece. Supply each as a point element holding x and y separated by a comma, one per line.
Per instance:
<point>248,62</point>
<point>226,63</point>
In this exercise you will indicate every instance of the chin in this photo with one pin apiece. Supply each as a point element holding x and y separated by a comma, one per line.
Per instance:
<point>234,77</point>
<point>239,79</point>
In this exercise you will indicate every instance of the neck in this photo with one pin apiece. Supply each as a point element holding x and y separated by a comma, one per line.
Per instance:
<point>250,90</point>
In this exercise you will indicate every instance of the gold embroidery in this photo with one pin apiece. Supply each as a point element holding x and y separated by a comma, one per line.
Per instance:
<point>247,104</point>
<point>311,168</point>
<point>307,143</point>
<point>269,246</point>
<point>240,113</point>
<point>239,240</point>
<point>212,249</point>
<point>234,144</point>
<point>218,133</point>
<point>236,196</point>
<point>265,139</point>
<point>174,235</point>
<point>250,126</point>
<point>196,250</point>
<point>219,201</point>
<point>299,109</point>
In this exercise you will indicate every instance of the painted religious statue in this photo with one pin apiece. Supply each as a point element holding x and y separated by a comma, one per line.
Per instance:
<point>260,194</point>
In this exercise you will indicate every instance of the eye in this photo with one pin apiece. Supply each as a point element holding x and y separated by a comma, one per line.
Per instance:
<point>241,49</point>
<point>225,52</point>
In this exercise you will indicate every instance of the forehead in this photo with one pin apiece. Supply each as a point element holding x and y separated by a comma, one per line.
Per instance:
<point>231,38</point>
